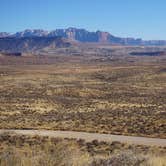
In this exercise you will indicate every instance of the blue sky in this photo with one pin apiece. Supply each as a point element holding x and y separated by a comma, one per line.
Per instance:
<point>126,18</point>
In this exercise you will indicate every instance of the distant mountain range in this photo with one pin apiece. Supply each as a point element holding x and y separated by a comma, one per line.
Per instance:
<point>40,38</point>
<point>29,44</point>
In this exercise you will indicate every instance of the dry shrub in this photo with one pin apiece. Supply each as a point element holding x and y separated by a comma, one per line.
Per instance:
<point>125,158</point>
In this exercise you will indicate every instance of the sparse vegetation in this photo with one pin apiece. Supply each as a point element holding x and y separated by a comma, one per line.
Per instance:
<point>125,95</point>
<point>17,150</point>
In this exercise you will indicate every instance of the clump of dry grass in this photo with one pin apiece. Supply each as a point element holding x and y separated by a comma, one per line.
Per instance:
<point>48,153</point>
<point>156,161</point>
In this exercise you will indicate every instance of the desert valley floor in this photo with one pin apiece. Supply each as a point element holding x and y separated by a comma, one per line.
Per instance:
<point>123,96</point>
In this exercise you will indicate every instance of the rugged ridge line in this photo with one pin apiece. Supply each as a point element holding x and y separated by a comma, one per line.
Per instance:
<point>82,35</point>
<point>28,44</point>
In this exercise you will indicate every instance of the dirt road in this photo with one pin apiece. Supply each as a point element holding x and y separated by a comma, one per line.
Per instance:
<point>91,136</point>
